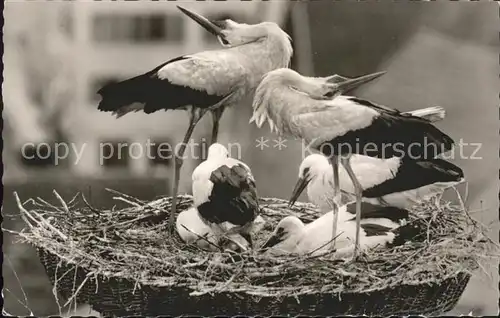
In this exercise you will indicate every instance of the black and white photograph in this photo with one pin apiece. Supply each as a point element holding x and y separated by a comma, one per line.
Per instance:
<point>250,158</point>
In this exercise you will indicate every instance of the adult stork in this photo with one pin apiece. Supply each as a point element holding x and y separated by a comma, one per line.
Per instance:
<point>389,182</point>
<point>203,82</point>
<point>314,110</point>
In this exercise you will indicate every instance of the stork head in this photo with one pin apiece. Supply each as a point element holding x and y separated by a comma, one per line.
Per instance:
<point>288,231</point>
<point>231,33</point>
<point>288,79</point>
<point>241,33</point>
<point>312,167</point>
<point>217,151</point>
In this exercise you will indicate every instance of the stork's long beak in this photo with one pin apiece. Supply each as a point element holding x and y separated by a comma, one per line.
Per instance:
<point>297,191</point>
<point>273,240</point>
<point>204,22</point>
<point>351,84</point>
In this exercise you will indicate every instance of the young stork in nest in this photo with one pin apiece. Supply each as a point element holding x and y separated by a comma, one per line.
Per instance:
<point>225,194</point>
<point>202,82</point>
<point>313,110</point>
<point>389,182</point>
<point>193,230</point>
<point>380,226</point>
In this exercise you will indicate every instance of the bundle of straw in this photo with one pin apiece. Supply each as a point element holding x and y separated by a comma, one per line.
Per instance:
<point>125,262</point>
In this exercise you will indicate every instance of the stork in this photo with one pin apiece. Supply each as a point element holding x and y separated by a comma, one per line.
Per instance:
<point>314,110</point>
<point>203,82</point>
<point>291,235</point>
<point>225,194</point>
<point>389,182</point>
<point>193,230</point>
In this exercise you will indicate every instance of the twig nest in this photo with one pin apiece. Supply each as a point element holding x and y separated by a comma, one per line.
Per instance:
<point>123,261</point>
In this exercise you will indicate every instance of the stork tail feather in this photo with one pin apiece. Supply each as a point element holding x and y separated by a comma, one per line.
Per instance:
<point>123,97</point>
<point>432,114</point>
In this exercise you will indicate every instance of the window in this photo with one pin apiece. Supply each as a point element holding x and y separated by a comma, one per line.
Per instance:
<point>161,152</point>
<point>114,154</point>
<point>38,155</point>
<point>209,37</point>
<point>98,83</point>
<point>137,28</point>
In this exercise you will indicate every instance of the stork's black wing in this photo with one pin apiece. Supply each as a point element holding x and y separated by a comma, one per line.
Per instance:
<point>233,198</point>
<point>175,84</point>
<point>415,231</point>
<point>369,211</point>
<point>380,108</point>
<point>375,229</point>
<point>413,174</point>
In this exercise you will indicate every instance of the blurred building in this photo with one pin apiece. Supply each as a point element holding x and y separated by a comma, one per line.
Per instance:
<point>95,43</point>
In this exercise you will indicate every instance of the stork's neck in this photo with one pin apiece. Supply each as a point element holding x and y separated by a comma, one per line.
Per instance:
<point>290,243</point>
<point>282,104</point>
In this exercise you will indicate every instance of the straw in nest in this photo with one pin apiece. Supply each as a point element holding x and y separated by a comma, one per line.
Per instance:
<point>132,245</point>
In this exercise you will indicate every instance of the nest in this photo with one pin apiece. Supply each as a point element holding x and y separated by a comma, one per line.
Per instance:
<point>125,262</point>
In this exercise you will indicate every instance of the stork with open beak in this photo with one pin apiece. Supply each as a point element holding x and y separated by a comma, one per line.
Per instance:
<point>203,82</point>
<point>338,126</point>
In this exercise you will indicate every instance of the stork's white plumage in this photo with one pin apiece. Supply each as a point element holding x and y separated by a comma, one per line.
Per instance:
<point>338,126</point>
<point>193,230</point>
<point>204,82</point>
<point>291,235</point>
<point>389,182</point>
<point>225,194</point>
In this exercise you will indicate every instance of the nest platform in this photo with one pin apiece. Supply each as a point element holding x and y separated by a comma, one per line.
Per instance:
<point>123,262</point>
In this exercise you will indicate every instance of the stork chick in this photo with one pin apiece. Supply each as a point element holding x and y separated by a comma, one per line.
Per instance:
<point>292,236</point>
<point>225,194</point>
<point>203,82</point>
<point>389,182</point>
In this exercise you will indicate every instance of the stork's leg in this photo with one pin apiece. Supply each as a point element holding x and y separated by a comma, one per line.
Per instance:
<point>336,193</point>
<point>194,117</point>
<point>358,192</point>
<point>216,115</point>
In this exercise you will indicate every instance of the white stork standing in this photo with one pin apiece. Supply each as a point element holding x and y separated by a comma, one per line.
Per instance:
<point>388,182</point>
<point>205,81</point>
<point>338,126</point>
<point>225,194</point>
<point>378,223</point>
